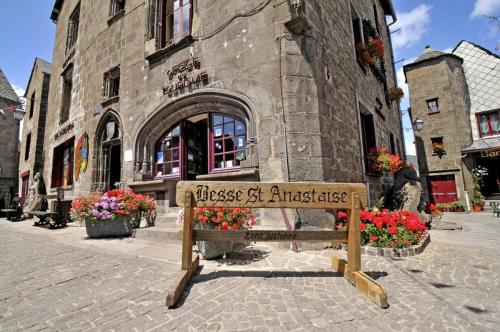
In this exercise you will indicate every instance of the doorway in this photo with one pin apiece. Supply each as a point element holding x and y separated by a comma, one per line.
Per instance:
<point>115,166</point>
<point>196,146</point>
<point>442,189</point>
<point>490,184</point>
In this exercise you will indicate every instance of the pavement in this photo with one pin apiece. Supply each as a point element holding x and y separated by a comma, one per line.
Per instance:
<point>58,280</point>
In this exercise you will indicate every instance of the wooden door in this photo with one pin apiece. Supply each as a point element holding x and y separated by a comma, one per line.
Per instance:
<point>442,189</point>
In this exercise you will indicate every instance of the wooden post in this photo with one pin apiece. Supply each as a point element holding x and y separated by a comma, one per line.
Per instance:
<point>187,241</point>
<point>354,237</point>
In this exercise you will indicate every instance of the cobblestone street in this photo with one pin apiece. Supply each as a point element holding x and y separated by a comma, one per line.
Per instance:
<point>59,280</point>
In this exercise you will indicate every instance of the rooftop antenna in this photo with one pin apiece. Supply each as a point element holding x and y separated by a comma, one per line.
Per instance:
<point>492,20</point>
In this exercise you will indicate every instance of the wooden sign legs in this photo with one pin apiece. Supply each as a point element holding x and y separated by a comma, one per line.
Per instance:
<point>351,269</point>
<point>188,265</point>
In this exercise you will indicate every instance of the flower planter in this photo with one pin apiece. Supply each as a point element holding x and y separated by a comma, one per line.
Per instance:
<point>211,250</point>
<point>119,227</point>
<point>477,208</point>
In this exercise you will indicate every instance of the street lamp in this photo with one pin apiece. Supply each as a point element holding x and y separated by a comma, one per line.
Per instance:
<point>19,113</point>
<point>418,125</point>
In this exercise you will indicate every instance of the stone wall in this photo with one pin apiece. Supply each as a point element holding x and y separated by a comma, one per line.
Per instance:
<point>9,147</point>
<point>255,66</point>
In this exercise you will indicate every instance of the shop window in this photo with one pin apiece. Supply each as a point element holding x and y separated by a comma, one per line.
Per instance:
<point>201,144</point>
<point>170,21</point>
<point>32,104</point>
<point>368,136</point>
<point>27,147</point>
<point>111,84</point>
<point>116,6</point>
<point>73,25</point>
<point>62,164</point>
<point>489,124</point>
<point>433,106</point>
<point>67,90</point>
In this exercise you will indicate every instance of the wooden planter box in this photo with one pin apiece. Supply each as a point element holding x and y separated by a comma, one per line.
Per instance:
<point>119,227</point>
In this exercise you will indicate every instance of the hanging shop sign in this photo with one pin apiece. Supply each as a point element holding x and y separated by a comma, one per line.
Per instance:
<point>81,155</point>
<point>490,154</point>
<point>64,130</point>
<point>182,76</point>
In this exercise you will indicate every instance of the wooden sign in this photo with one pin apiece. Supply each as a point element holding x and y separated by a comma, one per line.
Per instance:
<point>351,197</point>
<point>270,195</point>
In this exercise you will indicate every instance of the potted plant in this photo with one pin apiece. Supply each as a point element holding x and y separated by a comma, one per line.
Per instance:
<point>395,94</point>
<point>477,198</point>
<point>459,206</point>
<point>222,219</point>
<point>438,149</point>
<point>380,160</point>
<point>113,214</point>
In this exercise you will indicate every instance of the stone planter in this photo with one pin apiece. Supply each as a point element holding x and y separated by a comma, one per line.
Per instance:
<point>211,250</point>
<point>393,252</point>
<point>119,227</point>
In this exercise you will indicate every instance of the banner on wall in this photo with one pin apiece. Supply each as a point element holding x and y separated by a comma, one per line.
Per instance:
<point>81,155</point>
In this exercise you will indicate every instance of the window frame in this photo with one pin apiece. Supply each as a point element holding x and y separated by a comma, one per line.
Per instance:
<point>27,147</point>
<point>32,104</point>
<point>111,83</point>
<point>364,113</point>
<point>116,7</point>
<point>436,139</point>
<point>162,22</point>
<point>73,28</point>
<point>210,148</point>
<point>67,94</point>
<point>355,12</point>
<point>58,166</point>
<point>429,101</point>
<point>491,132</point>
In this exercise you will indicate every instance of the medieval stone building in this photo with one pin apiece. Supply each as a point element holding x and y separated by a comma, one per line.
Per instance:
<point>164,90</point>
<point>456,98</point>
<point>32,138</point>
<point>9,141</point>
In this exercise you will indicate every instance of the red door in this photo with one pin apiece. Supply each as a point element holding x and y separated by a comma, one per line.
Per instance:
<point>442,189</point>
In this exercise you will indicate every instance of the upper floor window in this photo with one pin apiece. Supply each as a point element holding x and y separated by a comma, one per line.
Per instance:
<point>489,124</point>
<point>73,25</point>
<point>116,6</point>
<point>67,90</point>
<point>369,140</point>
<point>27,147</point>
<point>357,30</point>
<point>32,104</point>
<point>170,21</point>
<point>111,83</point>
<point>433,106</point>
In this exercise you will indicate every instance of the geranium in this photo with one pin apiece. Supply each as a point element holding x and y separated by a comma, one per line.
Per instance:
<point>395,93</point>
<point>225,218</point>
<point>111,204</point>
<point>375,47</point>
<point>381,160</point>
<point>438,149</point>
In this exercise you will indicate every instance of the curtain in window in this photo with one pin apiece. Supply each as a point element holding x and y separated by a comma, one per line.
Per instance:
<point>495,123</point>
<point>484,125</point>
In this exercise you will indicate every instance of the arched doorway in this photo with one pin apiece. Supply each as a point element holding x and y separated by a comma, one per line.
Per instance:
<point>108,153</point>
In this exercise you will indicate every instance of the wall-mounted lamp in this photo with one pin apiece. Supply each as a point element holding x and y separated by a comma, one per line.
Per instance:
<point>18,113</point>
<point>418,125</point>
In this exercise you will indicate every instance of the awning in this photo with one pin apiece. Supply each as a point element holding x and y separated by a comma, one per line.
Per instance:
<point>483,144</point>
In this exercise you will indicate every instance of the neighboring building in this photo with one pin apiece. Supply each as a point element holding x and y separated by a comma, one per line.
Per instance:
<point>449,92</point>
<point>9,141</point>
<point>166,91</point>
<point>32,138</point>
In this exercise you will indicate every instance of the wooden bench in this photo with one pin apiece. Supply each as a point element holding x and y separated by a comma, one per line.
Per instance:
<point>495,206</point>
<point>58,217</point>
<point>44,217</point>
<point>15,212</point>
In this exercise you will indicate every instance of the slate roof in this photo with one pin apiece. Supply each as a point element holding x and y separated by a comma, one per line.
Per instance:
<point>482,72</point>
<point>483,144</point>
<point>6,90</point>
<point>429,54</point>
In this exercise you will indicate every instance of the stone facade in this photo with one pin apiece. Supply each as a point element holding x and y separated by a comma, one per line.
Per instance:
<point>464,83</point>
<point>37,92</point>
<point>9,142</point>
<point>291,75</point>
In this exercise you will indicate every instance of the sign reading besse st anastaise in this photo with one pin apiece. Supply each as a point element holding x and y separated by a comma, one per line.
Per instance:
<point>181,76</point>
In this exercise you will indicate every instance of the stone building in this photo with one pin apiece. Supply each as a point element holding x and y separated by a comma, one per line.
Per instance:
<point>217,90</point>
<point>449,94</point>
<point>9,141</point>
<point>31,159</point>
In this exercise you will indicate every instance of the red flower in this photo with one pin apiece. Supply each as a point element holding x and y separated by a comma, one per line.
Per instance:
<point>362,227</point>
<point>373,238</point>
<point>393,230</point>
<point>342,215</point>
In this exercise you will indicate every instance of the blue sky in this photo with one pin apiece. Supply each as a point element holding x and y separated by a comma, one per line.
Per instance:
<point>28,32</point>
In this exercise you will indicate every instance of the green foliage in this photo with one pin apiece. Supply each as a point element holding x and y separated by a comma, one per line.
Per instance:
<point>477,197</point>
<point>379,203</point>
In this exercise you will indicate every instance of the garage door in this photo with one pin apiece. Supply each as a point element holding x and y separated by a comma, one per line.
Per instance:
<point>442,189</point>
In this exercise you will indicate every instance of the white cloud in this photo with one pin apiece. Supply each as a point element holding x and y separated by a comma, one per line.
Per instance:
<point>413,25</point>
<point>448,50</point>
<point>20,92</point>
<point>486,7</point>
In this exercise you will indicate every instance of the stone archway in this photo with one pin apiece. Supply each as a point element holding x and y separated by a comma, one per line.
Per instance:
<point>108,153</point>
<point>165,116</point>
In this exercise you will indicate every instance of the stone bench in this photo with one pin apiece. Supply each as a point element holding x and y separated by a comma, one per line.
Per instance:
<point>47,218</point>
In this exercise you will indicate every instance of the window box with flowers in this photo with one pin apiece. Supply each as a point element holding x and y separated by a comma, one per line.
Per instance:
<point>113,214</point>
<point>438,149</point>
<point>224,220</point>
<point>380,161</point>
<point>395,94</point>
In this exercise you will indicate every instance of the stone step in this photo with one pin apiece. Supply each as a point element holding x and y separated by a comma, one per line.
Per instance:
<point>158,234</point>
